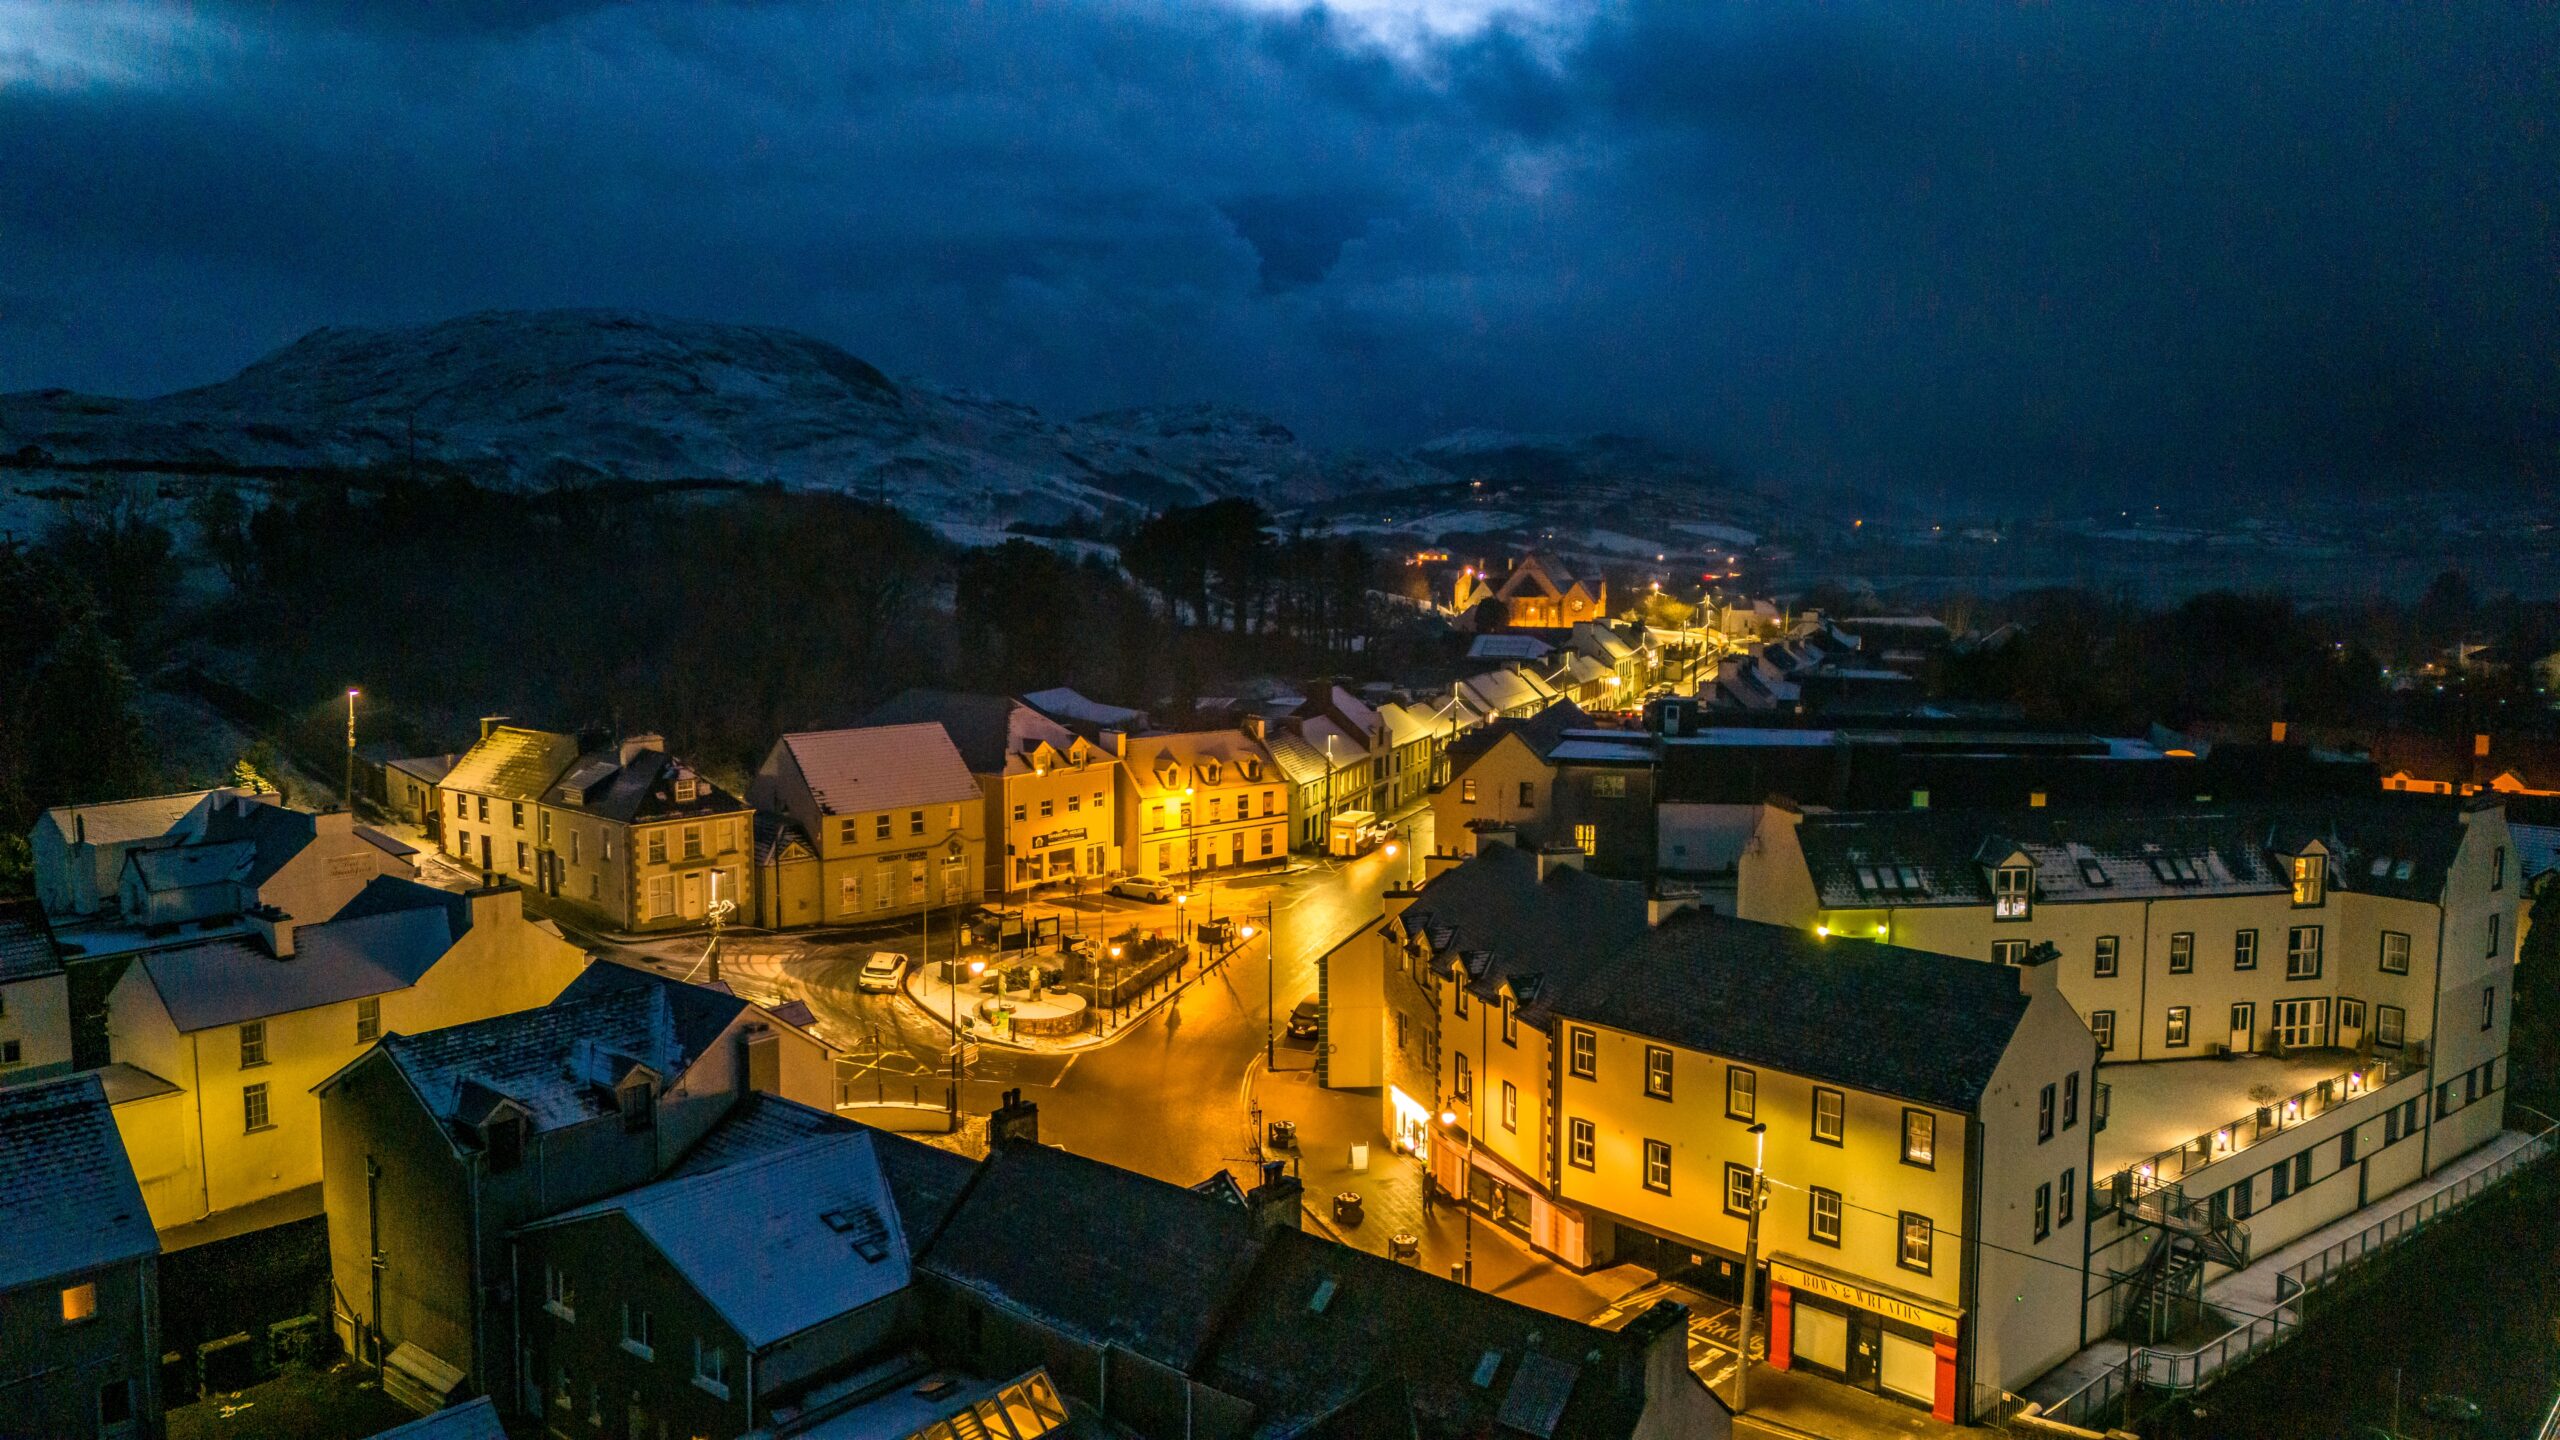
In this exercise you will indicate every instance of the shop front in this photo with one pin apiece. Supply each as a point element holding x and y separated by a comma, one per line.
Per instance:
<point>1882,1341</point>
<point>1510,1199</point>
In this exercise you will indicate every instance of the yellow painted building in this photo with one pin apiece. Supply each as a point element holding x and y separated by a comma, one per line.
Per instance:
<point>220,1044</point>
<point>880,822</point>
<point>1199,801</point>
<point>1052,795</point>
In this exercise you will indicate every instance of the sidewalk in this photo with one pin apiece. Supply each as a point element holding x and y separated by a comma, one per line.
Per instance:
<point>1104,1026</point>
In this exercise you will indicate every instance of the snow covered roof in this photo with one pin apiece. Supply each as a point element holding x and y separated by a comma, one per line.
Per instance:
<point>118,821</point>
<point>513,763</point>
<point>1508,647</point>
<point>471,1420</point>
<point>401,932</point>
<point>68,1201</point>
<point>881,767</point>
<point>777,1243</point>
<point>1065,703</point>
<point>26,949</point>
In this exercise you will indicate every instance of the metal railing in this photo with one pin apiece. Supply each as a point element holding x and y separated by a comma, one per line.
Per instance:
<point>2178,1371</point>
<point>2549,1429</point>
<point>2354,1085</point>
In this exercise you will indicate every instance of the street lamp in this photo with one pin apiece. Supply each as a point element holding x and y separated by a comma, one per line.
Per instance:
<point>1466,1206</point>
<point>1751,1258</point>
<point>350,791</point>
<point>976,968</point>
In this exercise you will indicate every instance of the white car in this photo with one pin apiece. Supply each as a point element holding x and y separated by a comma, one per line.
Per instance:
<point>1147,888</point>
<point>881,973</point>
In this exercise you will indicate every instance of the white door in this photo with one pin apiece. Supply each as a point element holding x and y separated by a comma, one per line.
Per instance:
<point>2244,1027</point>
<point>2301,1023</point>
<point>693,896</point>
<point>2350,1023</point>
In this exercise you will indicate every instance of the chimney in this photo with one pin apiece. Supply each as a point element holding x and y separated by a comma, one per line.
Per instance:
<point>633,745</point>
<point>489,723</point>
<point>1015,1122</point>
<point>759,1060</point>
<point>2038,974</point>
<point>1658,908</point>
<point>1480,833</point>
<point>1256,726</point>
<point>1279,1202</point>
<point>494,903</point>
<point>1117,742</point>
<point>1558,855</point>
<point>273,926</point>
<point>1658,1348</point>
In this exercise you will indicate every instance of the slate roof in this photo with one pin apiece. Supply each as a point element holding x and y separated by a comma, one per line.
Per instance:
<point>1102,1254</point>
<point>68,1201</point>
<point>1507,924</point>
<point>276,833</point>
<point>2131,853</point>
<point>26,947</point>
<point>645,789</point>
<point>1242,760</point>
<point>184,867</point>
<point>470,1420</point>
<point>1300,762</point>
<point>1881,1018</point>
<point>1603,747</point>
<point>513,763</point>
<point>118,821</point>
<point>1508,646</point>
<point>1390,1349</point>
<point>881,767</point>
<point>533,1057</point>
<point>993,733</point>
<point>429,768</point>
<point>1408,723</point>
<point>1073,707</point>
<point>1543,731</point>
<point>386,948</point>
<point>388,845</point>
<point>1506,689</point>
<point>776,1243</point>
<point>775,834</point>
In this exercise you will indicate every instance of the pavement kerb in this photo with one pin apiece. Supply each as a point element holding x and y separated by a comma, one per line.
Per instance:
<point>942,1017</point>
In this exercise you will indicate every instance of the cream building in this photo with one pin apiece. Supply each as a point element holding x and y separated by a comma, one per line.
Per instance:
<point>1199,801</point>
<point>1500,777</point>
<point>879,822</point>
<point>35,999</point>
<point>1052,796</point>
<point>217,1046</point>
<point>1605,1058</point>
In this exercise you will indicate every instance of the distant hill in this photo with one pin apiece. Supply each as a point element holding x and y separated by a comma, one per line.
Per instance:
<point>535,399</point>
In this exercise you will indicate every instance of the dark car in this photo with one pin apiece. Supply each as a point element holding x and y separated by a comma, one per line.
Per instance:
<point>1303,1019</point>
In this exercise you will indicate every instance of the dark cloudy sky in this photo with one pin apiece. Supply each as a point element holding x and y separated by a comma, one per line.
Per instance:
<point>1942,246</point>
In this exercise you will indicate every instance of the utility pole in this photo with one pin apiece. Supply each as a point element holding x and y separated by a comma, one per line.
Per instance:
<point>1751,1261</point>
<point>1270,987</point>
<point>350,791</point>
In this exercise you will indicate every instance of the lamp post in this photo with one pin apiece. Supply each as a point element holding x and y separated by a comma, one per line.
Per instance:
<point>350,791</point>
<point>1751,1259</point>
<point>1475,1111</point>
<point>975,967</point>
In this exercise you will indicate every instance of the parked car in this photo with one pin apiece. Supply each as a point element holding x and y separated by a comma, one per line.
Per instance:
<point>881,973</point>
<point>1302,1020</point>
<point>1147,888</point>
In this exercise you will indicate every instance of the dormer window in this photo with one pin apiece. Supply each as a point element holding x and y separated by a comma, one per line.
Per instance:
<point>2310,880</point>
<point>638,1099</point>
<point>2176,869</point>
<point>687,789</point>
<point>2012,887</point>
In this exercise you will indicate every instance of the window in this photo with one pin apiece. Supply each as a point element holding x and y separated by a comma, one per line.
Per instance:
<point>661,896</point>
<point>1919,1239</point>
<point>880,826</point>
<point>637,1332</point>
<point>2389,1023</point>
<point>1920,1139</point>
<point>915,822</point>
<point>2008,952</point>
<point>848,832</point>
<point>657,847</point>
<point>2244,1198</point>
<point>574,857</point>
<point>503,1137</point>
<point>1467,792</point>
<point>1510,1106</point>
<point>1608,787</point>
<point>2044,1210</point>
<point>2182,953</point>
<point>80,1302</point>
<point>2302,953</point>
<point>1585,1049</point>
<point>461,807</point>
<point>1830,1115</point>
<point>253,1108</point>
<point>2488,1006</point>
<point>1049,807</point>
<point>516,814</point>
<point>1586,837</point>
<point>1825,1211</point>
<point>1462,1080</point>
<point>2044,1114</point>
<point>1737,1189</point>
<point>2067,1197</point>
<point>639,1107</point>
<point>1510,1023</point>
<point>2395,953</point>
<point>12,1052</point>
<point>2011,886</point>
<point>253,1044</point>
<point>2177,1027</point>
<point>2102,1025</point>
<point>2310,879</point>
<point>2350,1014</point>
<point>1741,1093</point>
<point>2498,868</point>
<point>2347,1148</point>
<point>1579,1152</point>
<point>2494,934</point>
<point>1657,1166</point>
<point>1528,795</point>
<point>2070,1100</point>
<point>368,1020</point>
<point>115,1404</point>
<point>2108,946</point>
<point>711,1368</point>
<point>484,809</point>
<point>2244,950</point>
<point>1458,998</point>
<point>693,842</point>
<point>1657,1072</point>
<point>524,858</point>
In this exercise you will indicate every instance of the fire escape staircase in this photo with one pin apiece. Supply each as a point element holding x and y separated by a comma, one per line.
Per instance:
<point>2167,1289</point>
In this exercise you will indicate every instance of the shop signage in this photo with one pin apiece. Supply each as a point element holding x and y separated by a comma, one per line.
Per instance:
<point>1920,1317</point>
<point>1056,837</point>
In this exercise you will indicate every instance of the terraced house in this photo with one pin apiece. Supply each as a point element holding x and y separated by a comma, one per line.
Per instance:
<point>873,823</point>
<point>1051,794</point>
<point>1608,1069</point>
<point>1199,801</point>
<point>627,834</point>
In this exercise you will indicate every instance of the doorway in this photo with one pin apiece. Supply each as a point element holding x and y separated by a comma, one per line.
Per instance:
<point>2302,1024</point>
<point>1866,1349</point>
<point>2244,1027</point>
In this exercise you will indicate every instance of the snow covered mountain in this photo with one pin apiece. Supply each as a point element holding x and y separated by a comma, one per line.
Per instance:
<point>524,399</point>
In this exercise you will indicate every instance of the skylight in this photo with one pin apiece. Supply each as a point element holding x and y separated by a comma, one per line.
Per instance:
<point>2094,873</point>
<point>1322,1297</point>
<point>1486,1366</point>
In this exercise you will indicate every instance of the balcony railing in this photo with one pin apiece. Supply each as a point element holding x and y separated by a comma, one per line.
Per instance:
<point>2266,1122</point>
